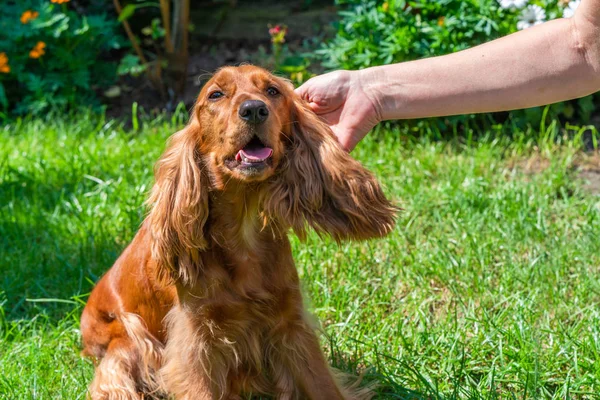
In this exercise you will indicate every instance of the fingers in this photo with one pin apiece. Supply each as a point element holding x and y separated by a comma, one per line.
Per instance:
<point>317,91</point>
<point>304,90</point>
<point>305,93</point>
<point>327,92</point>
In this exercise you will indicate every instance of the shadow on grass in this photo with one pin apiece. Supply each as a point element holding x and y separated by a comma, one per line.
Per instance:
<point>49,254</point>
<point>42,272</point>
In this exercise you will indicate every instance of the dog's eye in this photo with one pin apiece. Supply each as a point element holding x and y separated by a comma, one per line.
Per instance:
<point>272,91</point>
<point>215,95</point>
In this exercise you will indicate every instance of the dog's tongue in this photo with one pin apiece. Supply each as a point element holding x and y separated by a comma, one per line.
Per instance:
<point>255,154</point>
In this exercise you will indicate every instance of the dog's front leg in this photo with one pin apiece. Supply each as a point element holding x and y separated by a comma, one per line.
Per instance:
<point>186,372</point>
<point>300,369</point>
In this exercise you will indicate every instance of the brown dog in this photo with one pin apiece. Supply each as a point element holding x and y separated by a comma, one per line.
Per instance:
<point>205,303</point>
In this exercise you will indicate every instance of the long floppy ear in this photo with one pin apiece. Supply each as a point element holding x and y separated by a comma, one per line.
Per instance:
<point>323,187</point>
<point>179,208</point>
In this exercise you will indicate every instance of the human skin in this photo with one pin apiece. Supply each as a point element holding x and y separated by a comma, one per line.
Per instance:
<point>555,61</point>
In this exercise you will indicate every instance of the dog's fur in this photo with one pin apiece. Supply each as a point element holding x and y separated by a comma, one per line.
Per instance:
<point>205,303</point>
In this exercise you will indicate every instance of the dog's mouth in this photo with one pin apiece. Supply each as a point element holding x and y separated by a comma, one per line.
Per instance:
<point>254,152</point>
<point>254,156</point>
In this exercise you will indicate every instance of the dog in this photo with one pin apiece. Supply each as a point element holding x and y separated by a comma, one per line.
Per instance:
<point>205,303</point>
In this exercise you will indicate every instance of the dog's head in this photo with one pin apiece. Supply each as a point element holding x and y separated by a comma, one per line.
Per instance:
<point>250,130</point>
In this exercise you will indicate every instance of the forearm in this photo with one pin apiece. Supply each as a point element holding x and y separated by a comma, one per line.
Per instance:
<point>551,62</point>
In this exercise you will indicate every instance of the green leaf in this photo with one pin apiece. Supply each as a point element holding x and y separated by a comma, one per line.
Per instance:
<point>129,9</point>
<point>126,12</point>
<point>130,65</point>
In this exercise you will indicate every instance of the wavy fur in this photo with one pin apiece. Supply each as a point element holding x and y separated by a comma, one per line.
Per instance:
<point>322,187</point>
<point>179,208</point>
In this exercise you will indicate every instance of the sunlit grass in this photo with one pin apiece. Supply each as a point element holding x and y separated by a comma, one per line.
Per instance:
<point>487,288</point>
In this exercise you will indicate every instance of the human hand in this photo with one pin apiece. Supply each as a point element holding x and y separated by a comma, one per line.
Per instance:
<point>341,99</point>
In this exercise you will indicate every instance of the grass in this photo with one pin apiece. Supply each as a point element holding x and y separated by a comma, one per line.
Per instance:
<point>487,288</point>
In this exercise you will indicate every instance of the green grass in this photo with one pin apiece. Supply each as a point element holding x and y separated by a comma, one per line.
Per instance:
<point>487,288</point>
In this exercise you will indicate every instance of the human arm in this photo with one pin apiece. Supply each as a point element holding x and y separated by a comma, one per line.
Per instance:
<point>554,61</point>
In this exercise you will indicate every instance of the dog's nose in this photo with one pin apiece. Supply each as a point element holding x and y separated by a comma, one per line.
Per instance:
<point>253,111</point>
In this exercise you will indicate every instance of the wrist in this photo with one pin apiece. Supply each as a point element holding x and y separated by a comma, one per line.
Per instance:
<point>367,82</point>
<point>385,90</point>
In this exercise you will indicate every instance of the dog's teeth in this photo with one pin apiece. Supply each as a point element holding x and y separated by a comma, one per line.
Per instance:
<point>249,161</point>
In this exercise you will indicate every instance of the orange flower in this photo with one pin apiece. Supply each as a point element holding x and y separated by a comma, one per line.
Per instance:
<point>29,16</point>
<point>4,67</point>
<point>38,50</point>
<point>60,1</point>
<point>441,21</point>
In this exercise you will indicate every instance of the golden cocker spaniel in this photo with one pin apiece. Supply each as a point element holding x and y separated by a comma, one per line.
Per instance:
<point>205,303</point>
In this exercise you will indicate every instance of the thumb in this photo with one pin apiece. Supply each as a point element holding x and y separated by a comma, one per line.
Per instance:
<point>344,137</point>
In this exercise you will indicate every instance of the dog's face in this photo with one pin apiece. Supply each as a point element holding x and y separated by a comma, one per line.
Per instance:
<point>244,115</point>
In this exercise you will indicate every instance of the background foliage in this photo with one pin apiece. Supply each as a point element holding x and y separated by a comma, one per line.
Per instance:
<point>380,32</point>
<point>70,69</point>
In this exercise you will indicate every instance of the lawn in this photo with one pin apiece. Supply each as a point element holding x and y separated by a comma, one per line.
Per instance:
<point>487,288</point>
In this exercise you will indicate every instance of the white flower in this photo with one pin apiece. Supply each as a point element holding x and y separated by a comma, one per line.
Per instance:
<point>532,15</point>
<point>512,4</point>
<point>570,10</point>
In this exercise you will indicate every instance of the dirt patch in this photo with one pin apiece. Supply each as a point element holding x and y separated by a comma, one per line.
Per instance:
<point>227,35</point>
<point>585,167</point>
<point>588,170</point>
<point>530,166</point>
<point>592,181</point>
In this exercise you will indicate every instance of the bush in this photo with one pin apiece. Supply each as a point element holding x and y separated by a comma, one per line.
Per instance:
<point>382,32</point>
<point>50,56</point>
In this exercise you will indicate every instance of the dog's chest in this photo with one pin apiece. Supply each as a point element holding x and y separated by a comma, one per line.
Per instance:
<point>241,312</point>
<point>239,329</point>
<point>243,300</point>
<point>242,293</point>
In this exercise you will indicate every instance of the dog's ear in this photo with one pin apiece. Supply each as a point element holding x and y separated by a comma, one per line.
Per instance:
<point>321,186</point>
<point>179,208</point>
